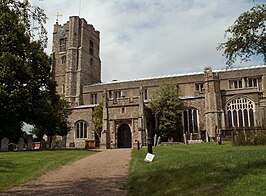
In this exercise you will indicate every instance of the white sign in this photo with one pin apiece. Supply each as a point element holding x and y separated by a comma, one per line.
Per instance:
<point>149,157</point>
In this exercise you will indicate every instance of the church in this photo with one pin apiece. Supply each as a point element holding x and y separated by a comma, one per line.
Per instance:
<point>212,98</point>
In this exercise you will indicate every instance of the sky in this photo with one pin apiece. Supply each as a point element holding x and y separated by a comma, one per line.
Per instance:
<point>147,38</point>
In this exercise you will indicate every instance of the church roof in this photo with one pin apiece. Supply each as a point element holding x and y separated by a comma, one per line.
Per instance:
<point>181,75</point>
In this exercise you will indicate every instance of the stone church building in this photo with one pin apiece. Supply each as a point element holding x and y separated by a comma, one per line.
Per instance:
<point>213,99</point>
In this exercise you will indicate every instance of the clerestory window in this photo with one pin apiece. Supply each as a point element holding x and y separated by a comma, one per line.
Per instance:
<point>93,99</point>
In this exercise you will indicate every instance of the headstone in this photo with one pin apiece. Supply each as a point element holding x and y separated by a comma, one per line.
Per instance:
<point>29,142</point>
<point>64,139</point>
<point>47,144</point>
<point>53,143</point>
<point>4,144</point>
<point>42,147</point>
<point>159,140</point>
<point>185,139</point>
<point>59,144</point>
<point>20,144</point>
<point>155,140</point>
<point>149,157</point>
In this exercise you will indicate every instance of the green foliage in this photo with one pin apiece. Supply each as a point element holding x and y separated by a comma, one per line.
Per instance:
<point>167,108</point>
<point>199,169</point>
<point>19,167</point>
<point>247,36</point>
<point>97,119</point>
<point>27,92</point>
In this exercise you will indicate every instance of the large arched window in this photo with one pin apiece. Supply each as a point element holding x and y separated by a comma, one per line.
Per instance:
<point>190,120</point>
<point>240,112</point>
<point>81,129</point>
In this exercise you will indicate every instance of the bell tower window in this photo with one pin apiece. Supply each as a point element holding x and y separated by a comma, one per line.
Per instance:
<point>62,45</point>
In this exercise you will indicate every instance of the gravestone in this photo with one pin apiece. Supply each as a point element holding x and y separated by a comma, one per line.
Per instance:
<point>64,138</point>
<point>20,144</point>
<point>29,142</point>
<point>42,147</point>
<point>155,140</point>
<point>185,138</point>
<point>47,144</point>
<point>53,143</point>
<point>4,144</point>
<point>59,144</point>
<point>159,140</point>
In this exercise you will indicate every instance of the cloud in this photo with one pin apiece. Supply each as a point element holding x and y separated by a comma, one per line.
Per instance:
<point>143,38</point>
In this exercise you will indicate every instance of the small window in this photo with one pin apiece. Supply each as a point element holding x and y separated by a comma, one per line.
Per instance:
<point>110,94</point>
<point>118,94</point>
<point>91,47</point>
<point>93,99</point>
<point>199,87</point>
<point>62,45</point>
<point>63,60</point>
<point>235,84</point>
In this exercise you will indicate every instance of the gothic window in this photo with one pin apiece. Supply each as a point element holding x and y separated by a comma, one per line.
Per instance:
<point>81,129</point>
<point>91,47</point>
<point>63,60</point>
<point>93,99</point>
<point>62,45</point>
<point>190,120</point>
<point>199,87</point>
<point>240,112</point>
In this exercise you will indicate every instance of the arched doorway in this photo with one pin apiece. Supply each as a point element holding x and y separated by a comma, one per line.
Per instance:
<point>124,136</point>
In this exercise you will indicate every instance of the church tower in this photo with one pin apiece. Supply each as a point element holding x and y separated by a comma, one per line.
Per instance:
<point>76,61</point>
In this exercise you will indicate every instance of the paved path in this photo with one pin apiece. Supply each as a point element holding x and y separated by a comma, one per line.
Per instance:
<point>103,173</point>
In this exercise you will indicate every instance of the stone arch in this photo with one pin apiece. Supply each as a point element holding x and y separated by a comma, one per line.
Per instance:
<point>124,137</point>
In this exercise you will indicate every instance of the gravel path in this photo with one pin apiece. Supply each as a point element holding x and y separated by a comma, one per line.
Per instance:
<point>103,173</point>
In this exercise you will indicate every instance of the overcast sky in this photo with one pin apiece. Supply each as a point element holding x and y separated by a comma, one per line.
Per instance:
<point>145,38</point>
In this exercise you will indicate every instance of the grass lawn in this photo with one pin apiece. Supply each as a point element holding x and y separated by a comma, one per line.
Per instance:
<point>19,167</point>
<point>199,169</point>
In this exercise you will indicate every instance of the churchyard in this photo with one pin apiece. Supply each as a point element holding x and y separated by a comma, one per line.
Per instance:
<point>19,167</point>
<point>199,169</point>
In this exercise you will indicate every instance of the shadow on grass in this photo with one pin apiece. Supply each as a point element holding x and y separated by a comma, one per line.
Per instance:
<point>200,179</point>
<point>84,186</point>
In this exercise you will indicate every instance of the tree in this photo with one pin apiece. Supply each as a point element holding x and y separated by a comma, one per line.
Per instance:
<point>27,92</point>
<point>247,36</point>
<point>167,108</point>
<point>97,119</point>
